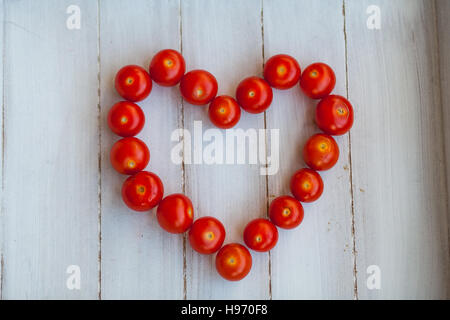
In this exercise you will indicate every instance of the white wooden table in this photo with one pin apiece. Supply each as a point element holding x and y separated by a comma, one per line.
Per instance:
<point>385,203</point>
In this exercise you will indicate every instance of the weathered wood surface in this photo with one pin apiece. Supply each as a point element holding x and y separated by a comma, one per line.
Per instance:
<point>385,203</point>
<point>399,187</point>
<point>50,177</point>
<point>138,259</point>
<point>316,260</point>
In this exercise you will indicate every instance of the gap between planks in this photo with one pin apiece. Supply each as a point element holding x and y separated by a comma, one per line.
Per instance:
<point>99,157</point>
<point>355,269</point>
<point>265,147</point>
<point>183,171</point>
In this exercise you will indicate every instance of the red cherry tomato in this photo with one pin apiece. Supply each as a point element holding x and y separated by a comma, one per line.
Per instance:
<point>126,119</point>
<point>198,87</point>
<point>286,212</point>
<point>254,95</point>
<point>167,67</point>
<point>282,71</point>
<point>129,155</point>
<point>334,115</point>
<point>260,235</point>
<point>306,185</point>
<point>175,213</point>
<point>224,112</point>
<point>317,80</point>
<point>142,191</point>
<point>321,152</point>
<point>206,235</point>
<point>233,262</point>
<point>133,83</point>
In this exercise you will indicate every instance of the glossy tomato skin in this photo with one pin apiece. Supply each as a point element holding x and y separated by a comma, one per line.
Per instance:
<point>129,155</point>
<point>175,213</point>
<point>133,83</point>
<point>260,235</point>
<point>317,80</point>
<point>254,95</point>
<point>233,262</point>
<point>306,185</point>
<point>206,235</point>
<point>167,67</point>
<point>282,71</point>
<point>142,191</point>
<point>321,152</point>
<point>334,115</point>
<point>224,112</point>
<point>198,87</point>
<point>286,212</point>
<point>126,119</point>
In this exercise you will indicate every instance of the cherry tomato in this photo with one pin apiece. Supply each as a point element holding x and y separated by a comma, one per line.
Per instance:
<point>282,71</point>
<point>260,235</point>
<point>133,83</point>
<point>286,212</point>
<point>167,67</point>
<point>142,191</point>
<point>334,115</point>
<point>321,152</point>
<point>175,213</point>
<point>126,119</point>
<point>306,185</point>
<point>129,155</point>
<point>224,112</point>
<point>254,95</point>
<point>233,262</point>
<point>317,80</point>
<point>206,235</point>
<point>198,87</point>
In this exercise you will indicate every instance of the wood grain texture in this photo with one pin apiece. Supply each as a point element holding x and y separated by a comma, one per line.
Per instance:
<point>224,37</point>
<point>442,13</point>
<point>50,178</point>
<point>397,150</point>
<point>139,260</point>
<point>61,202</point>
<point>314,261</point>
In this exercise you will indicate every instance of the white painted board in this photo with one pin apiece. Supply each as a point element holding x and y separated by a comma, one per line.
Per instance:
<point>50,198</point>
<point>231,49</point>
<point>139,260</point>
<point>397,151</point>
<point>314,261</point>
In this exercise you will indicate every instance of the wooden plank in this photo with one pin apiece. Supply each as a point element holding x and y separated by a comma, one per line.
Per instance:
<point>314,261</point>
<point>397,150</point>
<point>443,27</point>
<point>139,259</point>
<point>50,197</point>
<point>231,49</point>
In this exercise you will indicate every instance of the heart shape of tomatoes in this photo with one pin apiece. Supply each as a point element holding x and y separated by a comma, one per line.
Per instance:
<point>143,190</point>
